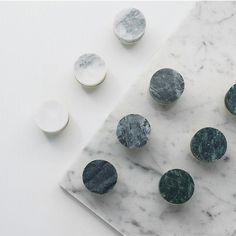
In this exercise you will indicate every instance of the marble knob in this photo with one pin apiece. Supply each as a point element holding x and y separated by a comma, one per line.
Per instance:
<point>230,100</point>
<point>208,144</point>
<point>176,186</point>
<point>129,25</point>
<point>90,70</point>
<point>99,176</point>
<point>51,117</point>
<point>166,86</point>
<point>133,131</point>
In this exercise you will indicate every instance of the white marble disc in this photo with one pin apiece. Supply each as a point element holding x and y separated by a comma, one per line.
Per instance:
<point>129,25</point>
<point>90,69</point>
<point>51,117</point>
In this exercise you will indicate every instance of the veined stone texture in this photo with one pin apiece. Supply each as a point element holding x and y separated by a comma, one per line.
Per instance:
<point>129,25</point>
<point>176,186</point>
<point>133,131</point>
<point>203,51</point>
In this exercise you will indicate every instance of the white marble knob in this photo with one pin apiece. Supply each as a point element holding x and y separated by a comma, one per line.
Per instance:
<point>90,69</point>
<point>51,117</point>
<point>129,25</point>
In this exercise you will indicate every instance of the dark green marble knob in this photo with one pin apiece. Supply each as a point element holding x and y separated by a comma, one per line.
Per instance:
<point>166,86</point>
<point>176,186</point>
<point>230,100</point>
<point>133,131</point>
<point>99,176</point>
<point>208,144</point>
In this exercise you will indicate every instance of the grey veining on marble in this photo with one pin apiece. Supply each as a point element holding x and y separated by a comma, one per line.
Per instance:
<point>99,176</point>
<point>129,25</point>
<point>176,186</point>
<point>166,86</point>
<point>208,144</point>
<point>230,99</point>
<point>203,52</point>
<point>133,131</point>
<point>90,69</point>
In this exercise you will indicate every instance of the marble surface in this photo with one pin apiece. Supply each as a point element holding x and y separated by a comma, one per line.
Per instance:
<point>230,98</point>
<point>208,144</point>
<point>129,25</point>
<point>203,52</point>
<point>51,117</point>
<point>166,86</point>
<point>90,69</point>
<point>99,176</point>
<point>133,131</point>
<point>176,186</point>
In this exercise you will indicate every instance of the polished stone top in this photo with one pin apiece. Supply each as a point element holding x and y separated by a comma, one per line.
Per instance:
<point>90,69</point>
<point>176,186</point>
<point>208,144</point>
<point>166,86</point>
<point>230,100</point>
<point>133,131</point>
<point>99,176</point>
<point>51,117</point>
<point>129,25</point>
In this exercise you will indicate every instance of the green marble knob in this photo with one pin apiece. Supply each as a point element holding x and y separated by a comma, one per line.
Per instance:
<point>230,100</point>
<point>208,144</point>
<point>133,131</point>
<point>176,186</point>
<point>166,86</point>
<point>99,176</point>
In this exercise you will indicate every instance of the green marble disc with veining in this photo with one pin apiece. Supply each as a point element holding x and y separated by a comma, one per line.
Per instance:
<point>208,144</point>
<point>230,100</point>
<point>133,131</point>
<point>99,176</point>
<point>166,86</point>
<point>176,186</point>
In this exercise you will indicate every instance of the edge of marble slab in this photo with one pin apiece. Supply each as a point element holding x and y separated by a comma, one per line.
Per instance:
<point>103,220</point>
<point>147,71</point>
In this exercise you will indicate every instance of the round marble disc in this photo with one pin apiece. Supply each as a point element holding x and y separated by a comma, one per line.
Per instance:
<point>230,100</point>
<point>133,131</point>
<point>176,186</point>
<point>208,144</point>
<point>51,117</point>
<point>166,86</point>
<point>99,176</point>
<point>129,25</point>
<point>90,69</point>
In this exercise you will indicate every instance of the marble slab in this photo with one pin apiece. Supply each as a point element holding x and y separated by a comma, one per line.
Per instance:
<point>203,50</point>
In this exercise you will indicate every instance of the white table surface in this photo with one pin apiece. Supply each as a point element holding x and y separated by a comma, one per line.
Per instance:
<point>39,43</point>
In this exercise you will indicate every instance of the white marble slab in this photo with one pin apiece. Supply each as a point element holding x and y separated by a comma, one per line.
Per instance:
<point>203,50</point>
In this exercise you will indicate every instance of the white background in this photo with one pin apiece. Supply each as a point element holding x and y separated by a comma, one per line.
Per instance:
<point>39,43</point>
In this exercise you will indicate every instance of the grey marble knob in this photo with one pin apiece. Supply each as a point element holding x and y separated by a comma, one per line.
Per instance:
<point>133,131</point>
<point>129,25</point>
<point>99,176</point>
<point>176,186</point>
<point>90,69</point>
<point>230,100</point>
<point>208,144</point>
<point>166,86</point>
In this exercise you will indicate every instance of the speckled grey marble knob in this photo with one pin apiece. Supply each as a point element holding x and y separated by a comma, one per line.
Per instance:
<point>90,69</point>
<point>230,100</point>
<point>133,131</point>
<point>99,176</point>
<point>176,186</point>
<point>129,25</point>
<point>166,86</point>
<point>208,144</point>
